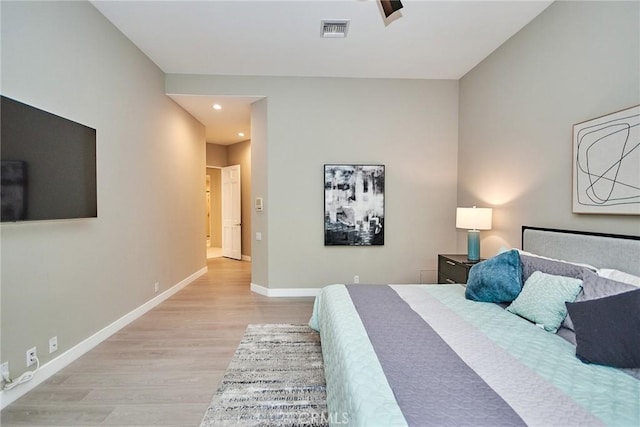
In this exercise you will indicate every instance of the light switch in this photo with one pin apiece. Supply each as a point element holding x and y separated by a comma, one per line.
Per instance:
<point>258,235</point>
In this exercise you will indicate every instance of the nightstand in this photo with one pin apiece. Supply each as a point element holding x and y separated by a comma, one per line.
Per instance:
<point>454,268</point>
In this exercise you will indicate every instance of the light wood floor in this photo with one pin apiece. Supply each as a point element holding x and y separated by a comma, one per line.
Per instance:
<point>162,369</point>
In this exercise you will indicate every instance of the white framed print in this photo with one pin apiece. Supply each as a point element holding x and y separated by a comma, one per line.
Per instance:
<point>606,164</point>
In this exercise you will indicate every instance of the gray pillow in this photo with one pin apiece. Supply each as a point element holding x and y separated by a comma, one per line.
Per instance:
<point>548,266</point>
<point>596,287</point>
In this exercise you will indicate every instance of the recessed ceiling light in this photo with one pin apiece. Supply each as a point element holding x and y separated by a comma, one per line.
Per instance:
<point>217,107</point>
<point>240,133</point>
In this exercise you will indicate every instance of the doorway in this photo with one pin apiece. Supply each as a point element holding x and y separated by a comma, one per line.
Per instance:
<point>214,212</point>
<point>236,159</point>
<point>224,212</point>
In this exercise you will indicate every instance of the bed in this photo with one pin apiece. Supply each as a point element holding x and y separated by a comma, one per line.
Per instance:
<point>398,355</point>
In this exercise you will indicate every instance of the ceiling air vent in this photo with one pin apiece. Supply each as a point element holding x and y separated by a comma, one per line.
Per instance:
<point>334,28</point>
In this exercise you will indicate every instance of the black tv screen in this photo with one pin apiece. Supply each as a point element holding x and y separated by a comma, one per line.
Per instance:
<point>48,165</point>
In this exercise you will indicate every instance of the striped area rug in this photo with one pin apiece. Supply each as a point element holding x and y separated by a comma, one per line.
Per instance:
<point>276,378</point>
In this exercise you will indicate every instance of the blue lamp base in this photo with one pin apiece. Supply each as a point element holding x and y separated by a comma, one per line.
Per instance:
<point>473,245</point>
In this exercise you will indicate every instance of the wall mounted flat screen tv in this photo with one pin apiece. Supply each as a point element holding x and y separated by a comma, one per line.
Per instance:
<point>48,165</point>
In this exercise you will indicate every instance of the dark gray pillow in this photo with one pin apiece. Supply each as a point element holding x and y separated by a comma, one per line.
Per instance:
<point>556,268</point>
<point>594,287</point>
<point>608,329</point>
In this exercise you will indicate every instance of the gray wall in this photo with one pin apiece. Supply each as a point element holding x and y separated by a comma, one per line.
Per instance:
<point>259,188</point>
<point>216,155</point>
<point>408,125</point>
<point>73,278</point>
<point>574,62</point>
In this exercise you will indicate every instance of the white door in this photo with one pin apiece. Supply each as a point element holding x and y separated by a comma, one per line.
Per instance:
<point>231,214</point>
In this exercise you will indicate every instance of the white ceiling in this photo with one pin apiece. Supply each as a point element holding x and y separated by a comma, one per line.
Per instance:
<point>222,126</point>
<point>425,40</point>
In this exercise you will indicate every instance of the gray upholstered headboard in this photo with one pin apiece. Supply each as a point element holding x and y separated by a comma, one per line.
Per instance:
<point>598,249</point>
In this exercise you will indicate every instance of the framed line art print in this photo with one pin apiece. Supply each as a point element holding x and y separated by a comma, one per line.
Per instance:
<point>353,205</point>
<point>606,164</point>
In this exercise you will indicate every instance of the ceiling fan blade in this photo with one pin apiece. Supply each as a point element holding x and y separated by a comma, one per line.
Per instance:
<point>390,6</point>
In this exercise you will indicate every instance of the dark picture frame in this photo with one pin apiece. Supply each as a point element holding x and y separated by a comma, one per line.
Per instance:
<point>13,192</point>
<point>354,205</point>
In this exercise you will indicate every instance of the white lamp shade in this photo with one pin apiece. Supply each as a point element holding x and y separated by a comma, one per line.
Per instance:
<point>473,218</point>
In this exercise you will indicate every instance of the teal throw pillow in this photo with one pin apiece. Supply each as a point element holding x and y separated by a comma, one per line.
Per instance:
<point>497,279</point>
<point>543,297</point>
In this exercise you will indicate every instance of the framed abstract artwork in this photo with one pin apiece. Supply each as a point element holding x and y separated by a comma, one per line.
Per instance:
<point>353,205</point>
<point>606,164</point>
<point>13,192</point>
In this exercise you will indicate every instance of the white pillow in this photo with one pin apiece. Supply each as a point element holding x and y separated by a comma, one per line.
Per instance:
<point>619,276</point>
<point>591,267</point>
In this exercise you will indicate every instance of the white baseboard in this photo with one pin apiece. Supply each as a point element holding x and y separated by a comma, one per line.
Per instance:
<point>285,292</point>
<point>53,366</point>
<point>246,258</point>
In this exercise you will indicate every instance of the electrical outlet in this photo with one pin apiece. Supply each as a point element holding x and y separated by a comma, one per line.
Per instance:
<point>53,344</point>
<point>156,287</point>
<point>31,356</point>
<point>356,279</point>
<point>4,370</point>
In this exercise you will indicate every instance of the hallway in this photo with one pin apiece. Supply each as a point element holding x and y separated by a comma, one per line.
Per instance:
<point>214,253</point>
<point>163,368</point>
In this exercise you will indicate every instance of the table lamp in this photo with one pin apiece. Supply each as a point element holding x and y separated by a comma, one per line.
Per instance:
<point>473,219</point>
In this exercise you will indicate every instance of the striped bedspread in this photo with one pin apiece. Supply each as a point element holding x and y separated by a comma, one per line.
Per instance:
<point>424,355</point>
